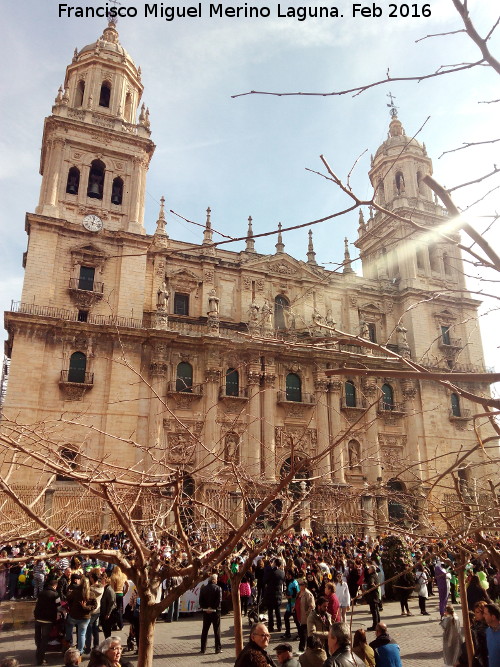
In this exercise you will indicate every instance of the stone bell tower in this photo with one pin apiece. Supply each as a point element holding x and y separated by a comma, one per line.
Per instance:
<point>95,151</point>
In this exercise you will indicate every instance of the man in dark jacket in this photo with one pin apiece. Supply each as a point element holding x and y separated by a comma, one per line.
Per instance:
<point>210,602</point>
<point>339,645</point>
<point>254,654</point>
<point>386,650</point>
<point>108,603</point>
<point>273,594</point>
<point>45,616</point>
<point>372,595</point>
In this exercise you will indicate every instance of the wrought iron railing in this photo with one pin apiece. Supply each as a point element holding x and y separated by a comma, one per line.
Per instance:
<point>307,399</point>
<point>86,285</point>
<point>182,387</point>
<point>76,376</point>
<point>390,406</point>
<point>228,392</point>
<point>358,404</point>
<point>72,315</point>
<point>463,413</point>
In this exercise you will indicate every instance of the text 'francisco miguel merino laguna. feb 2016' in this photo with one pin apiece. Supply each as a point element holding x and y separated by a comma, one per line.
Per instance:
<point>246,11</point>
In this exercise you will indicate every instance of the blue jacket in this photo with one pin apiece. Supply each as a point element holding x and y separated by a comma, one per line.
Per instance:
<point>388,656</point>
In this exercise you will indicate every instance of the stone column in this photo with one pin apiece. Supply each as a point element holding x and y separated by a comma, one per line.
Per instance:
<point>213,448</point>
<point>367,513</point>
<point>253,453</point>
<point>323,468</point>
<point>49,190</point>
<point>337,459</point>
<point>370,457</point>
<point>269,411</point>
<point>158,375</point>
<point>135,189</point>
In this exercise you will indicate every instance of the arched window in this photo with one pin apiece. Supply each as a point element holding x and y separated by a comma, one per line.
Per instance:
<point>387,397</point>
<point>77,367</point>
<point>293,388</point>
<point>105,94</point>
<point>447,265</point>
<point>96,179</point>
<point>117,191</point>
<point>80,91</point>
<point>350,394</point>
<point>231,448</point>
<point>69,459</point>
<point>455,406</point>
<point>232,382</point>
<point>354,453</point>
<point>434,258</point>
<point>420,260</point>
<point>73,181</point>
<point>281,311</point>
<point>128,108</point>
<point>400,182</point>
<point>184,377</point>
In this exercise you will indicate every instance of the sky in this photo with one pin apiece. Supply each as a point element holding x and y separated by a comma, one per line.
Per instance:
<point>249,155</point>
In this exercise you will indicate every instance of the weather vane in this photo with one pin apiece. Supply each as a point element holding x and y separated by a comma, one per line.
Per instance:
<point>114,19</point>
<point>392,106</point>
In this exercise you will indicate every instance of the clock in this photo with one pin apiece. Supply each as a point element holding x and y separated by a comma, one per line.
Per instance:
<point>92,223</point>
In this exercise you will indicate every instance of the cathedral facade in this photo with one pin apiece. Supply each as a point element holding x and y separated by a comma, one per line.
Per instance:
<point>207,352</point>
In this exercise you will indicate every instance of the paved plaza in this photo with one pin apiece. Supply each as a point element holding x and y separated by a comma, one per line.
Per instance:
<point>178,644</point>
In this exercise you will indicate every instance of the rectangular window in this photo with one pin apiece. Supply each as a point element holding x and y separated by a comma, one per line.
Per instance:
<point>69,456</point>
<point>445,335</point>
<point>86,278</point>
<point>181,304</point>
<point>83,315</point>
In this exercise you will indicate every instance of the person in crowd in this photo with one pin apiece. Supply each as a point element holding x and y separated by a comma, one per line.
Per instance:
<point>39,573</point>
<point>118,581</point>
<point>333,602</point>
<point>245,593</point>
<point>492,617</point>
<point>63,583</point>
<point>284,656</point>
<point>259,578</point>
<point>172,613</point>
<point>475,592</point>
<point>9,661</point>
<point>343,595</point>
<point>303,606</point>
<point>372,595</point>
<point>361,648</point>
<point>97,589</point>
<point>108,604</point>
<point>422,579</point>
<point>315,654</point>
<point>319,621</point>
<point>81,603</point>
<point>98,659</point>
<point>112,649</point>
<point>478,629</point>
<point>451,636</point>
<point>210,603</point>
<point>339,646</point>
<point>404,585</point>
<point>443,578</point>
<point>273,594</point>
<point>387,652</point>
<point>45,613</point>
<point>72,657</point>
<point>292,590</point>
<point>312,584</point>
<point>254,654</point>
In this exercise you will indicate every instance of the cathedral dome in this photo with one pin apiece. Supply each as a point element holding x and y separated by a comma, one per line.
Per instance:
<point>397,140</point>
<point>108,43</point>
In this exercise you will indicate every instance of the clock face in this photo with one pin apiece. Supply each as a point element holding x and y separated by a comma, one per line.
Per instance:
<point>92,223</point>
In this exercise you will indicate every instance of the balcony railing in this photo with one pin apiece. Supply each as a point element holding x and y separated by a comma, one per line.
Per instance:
<point>391,407</point>
<point>305,399</point>
<point>86,285</point>
<point>179,387</point>
<point>462,414</point>
<point>77,377</point>
<point>227,392</point>
<point>448,343</point>
<point>72,315</point>
<point>360,404</point>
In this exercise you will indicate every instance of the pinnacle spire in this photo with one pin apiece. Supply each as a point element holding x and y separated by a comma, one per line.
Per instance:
<point>361,221</point>
<point>207,234</point>
<point>250,243</point>
<point>161,222</point>
<point>311,255</point>
<point>347,257</point>
<point>280,246</point>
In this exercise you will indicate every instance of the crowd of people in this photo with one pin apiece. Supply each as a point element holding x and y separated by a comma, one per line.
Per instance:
<point>301,585</point>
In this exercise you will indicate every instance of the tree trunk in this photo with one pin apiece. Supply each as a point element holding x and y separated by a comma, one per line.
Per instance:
<point>465,613</point>
<point>238,627</point>
<point>147,622</point>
